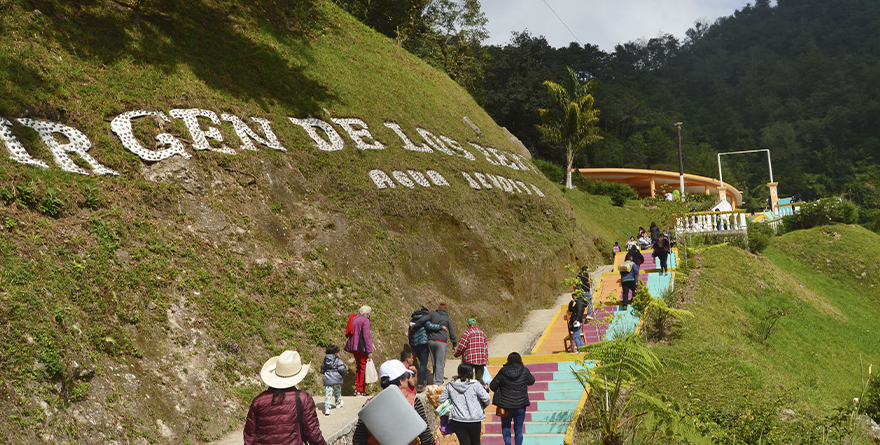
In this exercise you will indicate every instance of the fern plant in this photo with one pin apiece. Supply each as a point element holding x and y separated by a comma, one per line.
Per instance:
<point>620,363</point>
<point>656,314</point>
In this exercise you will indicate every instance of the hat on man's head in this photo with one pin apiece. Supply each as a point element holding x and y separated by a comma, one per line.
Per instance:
<point>472,321</point>
<point>284,371</point>
<point>393,369</point>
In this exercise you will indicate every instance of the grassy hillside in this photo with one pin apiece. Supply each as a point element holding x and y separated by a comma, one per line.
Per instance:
<point>140,307</point>
<point>746,377</point>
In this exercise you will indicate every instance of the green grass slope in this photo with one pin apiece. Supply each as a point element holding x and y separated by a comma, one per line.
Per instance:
<point>745,377</point>
<point>140,307</point>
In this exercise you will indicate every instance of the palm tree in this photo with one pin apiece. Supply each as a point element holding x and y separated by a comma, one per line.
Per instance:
<point>571,120</point>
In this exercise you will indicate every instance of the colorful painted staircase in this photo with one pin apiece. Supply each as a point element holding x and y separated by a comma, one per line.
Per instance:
<point>557,394</point>
<point>554,398</point>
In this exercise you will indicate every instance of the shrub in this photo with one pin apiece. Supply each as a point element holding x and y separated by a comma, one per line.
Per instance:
<point>552,171</point>
<point>759,236</point>
<point>822,212</point>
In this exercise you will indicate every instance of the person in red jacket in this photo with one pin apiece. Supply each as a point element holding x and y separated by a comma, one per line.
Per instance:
<point>283,413</point>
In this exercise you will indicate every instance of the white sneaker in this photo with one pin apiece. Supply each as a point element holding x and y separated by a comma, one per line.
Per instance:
<point>326,411</point>
<point>339,404</point>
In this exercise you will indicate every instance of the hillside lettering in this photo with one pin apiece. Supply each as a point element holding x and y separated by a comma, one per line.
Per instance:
<point>323,135</point>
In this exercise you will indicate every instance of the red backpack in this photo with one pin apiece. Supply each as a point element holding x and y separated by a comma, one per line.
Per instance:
<point>349,328</point>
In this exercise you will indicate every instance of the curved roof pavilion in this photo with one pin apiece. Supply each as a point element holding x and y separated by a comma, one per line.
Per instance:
<point>645,182</point>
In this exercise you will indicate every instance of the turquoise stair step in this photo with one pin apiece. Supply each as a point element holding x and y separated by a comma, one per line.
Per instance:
<point>552,416</point>
<point>561,385</point>
<point>557,405</point>
<point>564,395</point>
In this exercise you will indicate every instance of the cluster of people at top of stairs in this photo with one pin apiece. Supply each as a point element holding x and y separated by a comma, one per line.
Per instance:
<point>660,243</point>
<point>273,417</point>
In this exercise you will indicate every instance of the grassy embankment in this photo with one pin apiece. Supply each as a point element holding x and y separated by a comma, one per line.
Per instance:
<point>822,284</point>
<point>130,302</point>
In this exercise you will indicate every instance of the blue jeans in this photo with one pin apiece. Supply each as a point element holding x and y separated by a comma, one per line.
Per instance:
<point>518,416</point>
<point>576,334</point>
<point>421,353</point>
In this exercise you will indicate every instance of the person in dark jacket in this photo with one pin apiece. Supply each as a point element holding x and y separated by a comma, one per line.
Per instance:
<point>576,318</point>
<point>628,280</point>
<point>418,341</point>
<point>661,251</point>
<point>437,339</point>
<point>637,256</point>
<point>655,231</point>
<point>361,346</point>
<point>334,370</point>
<point>283,413</point>
<point>511,387</point>
<point>587,290</point>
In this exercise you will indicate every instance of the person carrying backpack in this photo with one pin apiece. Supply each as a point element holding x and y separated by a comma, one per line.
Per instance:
<point>629,273</point>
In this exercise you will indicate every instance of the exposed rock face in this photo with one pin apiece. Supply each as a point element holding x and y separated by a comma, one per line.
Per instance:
<point>517,143</point>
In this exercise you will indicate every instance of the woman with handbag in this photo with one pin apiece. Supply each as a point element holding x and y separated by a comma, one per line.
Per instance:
<point>283,413</point>
<point>511,387</point>
<point>469,401</point>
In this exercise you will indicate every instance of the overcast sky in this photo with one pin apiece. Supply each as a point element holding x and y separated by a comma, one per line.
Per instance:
<point>600,22</point>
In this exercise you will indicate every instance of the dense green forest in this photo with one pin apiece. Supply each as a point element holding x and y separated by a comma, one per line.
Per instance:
<point>797,77</point>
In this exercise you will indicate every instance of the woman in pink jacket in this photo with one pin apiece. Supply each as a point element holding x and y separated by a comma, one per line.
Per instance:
<point>361,345</point>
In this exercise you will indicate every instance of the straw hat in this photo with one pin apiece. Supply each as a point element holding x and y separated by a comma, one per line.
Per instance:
<point>284,371</point>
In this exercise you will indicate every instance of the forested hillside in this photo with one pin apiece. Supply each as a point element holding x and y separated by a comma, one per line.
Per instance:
<point>798,78</point>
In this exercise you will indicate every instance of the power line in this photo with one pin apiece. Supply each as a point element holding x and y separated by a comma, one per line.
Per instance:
<point>563,23</point>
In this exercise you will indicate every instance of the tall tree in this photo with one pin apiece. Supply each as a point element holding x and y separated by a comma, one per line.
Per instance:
<point>571,120</point>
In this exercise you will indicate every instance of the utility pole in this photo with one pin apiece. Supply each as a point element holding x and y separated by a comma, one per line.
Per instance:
<point>680,162</point>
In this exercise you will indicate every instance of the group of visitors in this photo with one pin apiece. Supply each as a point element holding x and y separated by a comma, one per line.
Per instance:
<point>276,418</point>
<point>653,239</point>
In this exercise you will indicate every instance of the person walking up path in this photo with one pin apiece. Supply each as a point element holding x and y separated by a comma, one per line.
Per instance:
<point>473,348</point>
<point>361,346</point>
<point>469,400</point>
<point>437,340</point>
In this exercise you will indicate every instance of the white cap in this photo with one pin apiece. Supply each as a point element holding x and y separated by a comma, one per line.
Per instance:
<point>393,369</point>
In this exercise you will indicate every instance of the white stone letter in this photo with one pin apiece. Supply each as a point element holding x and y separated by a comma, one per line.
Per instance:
<point>434,142</point>
<point>471,181</point>
<point>381,179</point>
<point>310,124</point>
<point>419,178</point>
<point>482,179</point>
<point>457,147</point>
<point>523,186</point>
<point>358,135</point>
<point>79,144</point>
<point>501,158</point>
<point>403,179</point>
<point>485,153</point>
<point>537,191</point>
<point>408,144</point>
<point>121,125</point>
<point>437,178</point>
<point>246,134</point>
<point>16,151</point>
<point>191,120</point>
